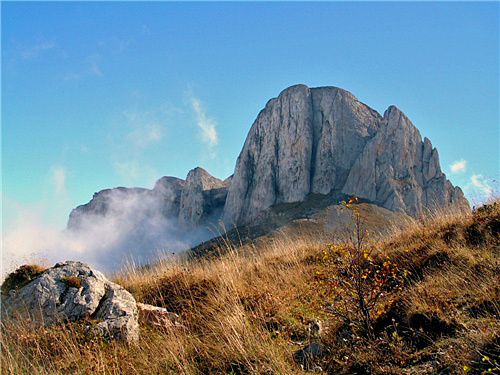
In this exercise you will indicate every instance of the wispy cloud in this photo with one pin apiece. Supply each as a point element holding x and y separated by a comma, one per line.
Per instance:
<point>145,30</point>
<point>93,62</point>
<point>133,226</point>
<point>145,134</point>
<point>207,125</point>
<point>71,77</point>
<point>34,50</point>
<point>481,184</point>
<point>59,179</point>
<point>459,166</point>
<point>90,67</point>
<point>138,132</point>
<point>145,128</point>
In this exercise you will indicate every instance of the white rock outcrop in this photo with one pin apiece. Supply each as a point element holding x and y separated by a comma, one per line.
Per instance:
<point>71,291</point>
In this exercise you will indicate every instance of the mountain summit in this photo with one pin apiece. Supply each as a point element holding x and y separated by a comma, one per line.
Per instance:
<point>323,140</point>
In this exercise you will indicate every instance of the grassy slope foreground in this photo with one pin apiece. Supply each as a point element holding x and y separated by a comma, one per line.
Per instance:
<point>431,305</point>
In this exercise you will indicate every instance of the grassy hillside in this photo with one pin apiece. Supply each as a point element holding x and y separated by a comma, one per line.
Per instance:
<point>425,300</point>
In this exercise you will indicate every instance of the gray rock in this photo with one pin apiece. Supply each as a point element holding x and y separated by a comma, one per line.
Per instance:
<point>203,197</point>
<point>158,316</point>
<point>308,355</point>
<point>307,141</point>
<point>398,171</point>
<point>71,291</point>
<point>323,140</point>
<point>168,190</point>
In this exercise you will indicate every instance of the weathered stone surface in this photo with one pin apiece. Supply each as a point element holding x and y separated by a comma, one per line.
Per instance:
<point>307,141</point>
<point>398,171</point>
<point>158,316</point>
<point>71,291</point>
<point>203,195</point>
<point>322,140</point>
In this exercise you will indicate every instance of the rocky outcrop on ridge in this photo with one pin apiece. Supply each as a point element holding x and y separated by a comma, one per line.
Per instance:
<point>192,202</point>
<point>72,291</point>
<point>323,140</point>
<point>164,199</point>
<point>203,195</point>
<point>398,171</point>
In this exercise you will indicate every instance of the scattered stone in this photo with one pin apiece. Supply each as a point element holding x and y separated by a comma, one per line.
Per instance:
<point>315,327</point>
<point>158,316</point>
<point>71,291</point>
<point>308,355</point>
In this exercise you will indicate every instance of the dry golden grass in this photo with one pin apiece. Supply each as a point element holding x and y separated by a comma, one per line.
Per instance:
<point>249,310</point>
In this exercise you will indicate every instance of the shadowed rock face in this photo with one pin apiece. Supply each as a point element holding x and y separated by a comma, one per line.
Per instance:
<point>164,199</point>
<point>202,196</point>
<point>322,140</point>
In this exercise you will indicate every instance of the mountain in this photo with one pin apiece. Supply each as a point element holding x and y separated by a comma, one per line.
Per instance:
<point>323,140</point>
<point>308,149</point>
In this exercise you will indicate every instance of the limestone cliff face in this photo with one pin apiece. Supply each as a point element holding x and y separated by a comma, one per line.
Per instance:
<point>202,196</point>
<point>398,171</point>
<point>322,140</point>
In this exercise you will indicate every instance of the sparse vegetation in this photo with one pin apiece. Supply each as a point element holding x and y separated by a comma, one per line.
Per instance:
<point>20,277</point>
<point>72,281</point>
<point>249,310</point>
<point>356,275</point>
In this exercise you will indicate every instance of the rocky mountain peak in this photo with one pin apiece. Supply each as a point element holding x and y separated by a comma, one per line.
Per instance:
<point>323,140</point>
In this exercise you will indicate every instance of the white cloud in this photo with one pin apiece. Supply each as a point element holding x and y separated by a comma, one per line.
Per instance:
<point>133,227</point>
<point>71,77</point>
<point>142,130</point>
<point>145,134</point>
<point>93,61</point>
<point>459,166</point>
<point>95,69</point>
<point>207,125</point>
<point>480,183</point>
<point>128,170</point>
<point>59,179</point>
<point>145,30</point>
<point>36,49</point>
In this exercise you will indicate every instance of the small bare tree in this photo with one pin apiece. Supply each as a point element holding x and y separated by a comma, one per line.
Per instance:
<point>356,274</point>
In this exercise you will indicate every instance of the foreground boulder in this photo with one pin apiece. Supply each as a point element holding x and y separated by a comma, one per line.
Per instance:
<point>71,291</point>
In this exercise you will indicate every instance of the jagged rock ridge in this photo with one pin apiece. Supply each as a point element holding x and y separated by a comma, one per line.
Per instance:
<point>190,203</point>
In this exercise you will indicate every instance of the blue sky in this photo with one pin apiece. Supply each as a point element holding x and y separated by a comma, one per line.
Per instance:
<point>104,94</point>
